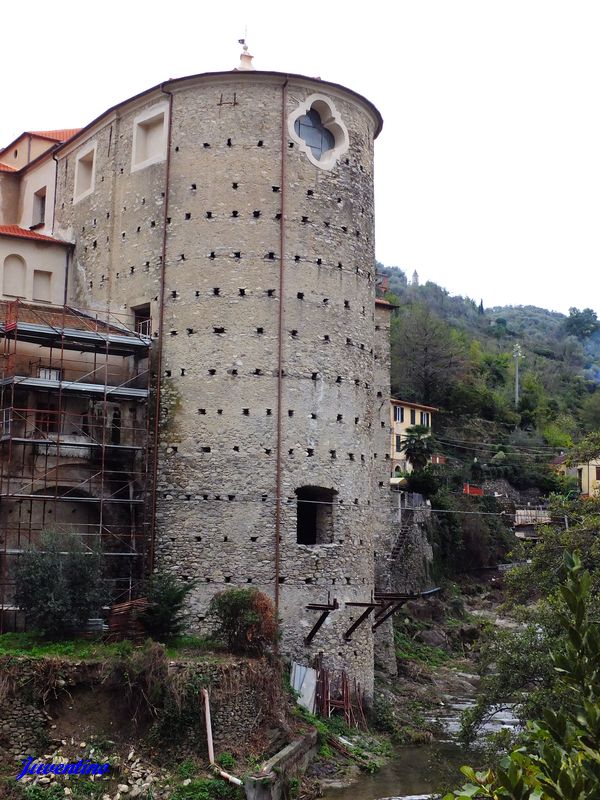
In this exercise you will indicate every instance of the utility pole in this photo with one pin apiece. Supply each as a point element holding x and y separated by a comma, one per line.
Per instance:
<point>517,354</point>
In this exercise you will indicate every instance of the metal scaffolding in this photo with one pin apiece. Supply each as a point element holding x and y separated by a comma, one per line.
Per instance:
<point>74,437</point>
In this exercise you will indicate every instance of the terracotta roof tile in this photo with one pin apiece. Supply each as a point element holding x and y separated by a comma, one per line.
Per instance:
<point>23,233</point>
<point>395,402</point>
<point>6,168</point>
<point>59,317</point>
<point>60,135</point>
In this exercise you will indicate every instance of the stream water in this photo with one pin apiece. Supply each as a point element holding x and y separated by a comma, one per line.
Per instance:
<point>415,772</point>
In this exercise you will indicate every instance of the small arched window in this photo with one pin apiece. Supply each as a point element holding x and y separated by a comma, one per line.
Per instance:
<point>315,515</point>
<point>13,279</point>
<point>310,128</point>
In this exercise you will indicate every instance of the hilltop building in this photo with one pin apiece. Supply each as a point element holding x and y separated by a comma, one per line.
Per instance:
<point>588,478</point>
<point>218,230</point>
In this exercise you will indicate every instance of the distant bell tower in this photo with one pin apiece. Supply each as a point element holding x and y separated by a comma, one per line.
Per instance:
<point>415,278</point>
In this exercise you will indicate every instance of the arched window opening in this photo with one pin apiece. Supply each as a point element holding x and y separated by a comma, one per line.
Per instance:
<point>315,515</point>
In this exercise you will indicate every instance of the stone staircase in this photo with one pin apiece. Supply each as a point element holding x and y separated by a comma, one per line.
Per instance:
<point>400,541</point>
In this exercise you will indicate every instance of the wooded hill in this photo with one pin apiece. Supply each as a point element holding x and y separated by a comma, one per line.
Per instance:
<point>452,352</point>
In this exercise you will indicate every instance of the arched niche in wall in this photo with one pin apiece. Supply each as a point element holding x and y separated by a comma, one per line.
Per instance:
<point>13,278</point>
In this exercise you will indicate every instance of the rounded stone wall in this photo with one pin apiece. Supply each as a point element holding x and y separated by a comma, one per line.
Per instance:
<point>245,178</point>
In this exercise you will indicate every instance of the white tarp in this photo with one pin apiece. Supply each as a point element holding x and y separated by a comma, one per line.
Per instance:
<point>532,516</point>
<point>304,681</point>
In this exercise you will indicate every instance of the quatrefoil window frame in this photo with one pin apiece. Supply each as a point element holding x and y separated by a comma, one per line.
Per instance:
<point>330,119</point>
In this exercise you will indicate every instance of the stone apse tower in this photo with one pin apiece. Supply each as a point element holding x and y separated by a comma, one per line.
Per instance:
<point>231,213</point>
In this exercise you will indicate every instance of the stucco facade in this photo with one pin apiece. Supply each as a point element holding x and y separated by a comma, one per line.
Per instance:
<point>405,415</point>
<point>588,478</point>
<point>33,269</point>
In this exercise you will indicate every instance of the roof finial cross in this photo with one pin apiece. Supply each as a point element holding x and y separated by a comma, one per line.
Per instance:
<point>245,57</point>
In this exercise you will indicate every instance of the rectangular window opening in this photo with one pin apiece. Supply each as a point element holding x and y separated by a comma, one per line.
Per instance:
<point>149,138</point>
<point>38,217</point>
<point>84,174</point>
<point>142,320</point>
<point>42,286</point>
<point>315,517</point>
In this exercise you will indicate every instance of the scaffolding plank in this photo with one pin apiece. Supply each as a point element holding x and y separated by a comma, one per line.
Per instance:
<point>75,339</point>
<point>54,443</point>
<point>71,497</point>
<point>77,387</point>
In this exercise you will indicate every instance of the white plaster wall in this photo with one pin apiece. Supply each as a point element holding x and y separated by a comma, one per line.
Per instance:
<point>37,255</point>
<point>32,181</point>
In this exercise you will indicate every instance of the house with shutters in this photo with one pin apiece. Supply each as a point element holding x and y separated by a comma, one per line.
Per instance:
<point>405,415</point>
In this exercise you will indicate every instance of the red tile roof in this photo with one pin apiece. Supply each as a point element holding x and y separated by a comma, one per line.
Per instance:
<point>23,233</point>
<point>57,136</point>
<point>62,317</point>
<point>6,168</point>
<point>379,301</point>
<point>395,402</point>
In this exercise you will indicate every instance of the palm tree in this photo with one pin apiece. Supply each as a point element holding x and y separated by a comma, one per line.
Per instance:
<point>418,446</point>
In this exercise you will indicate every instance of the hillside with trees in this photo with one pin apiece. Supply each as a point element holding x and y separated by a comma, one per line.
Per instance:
<point>454,353</point>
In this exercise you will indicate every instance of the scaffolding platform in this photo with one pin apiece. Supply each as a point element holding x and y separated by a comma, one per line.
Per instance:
<point>74,439</point>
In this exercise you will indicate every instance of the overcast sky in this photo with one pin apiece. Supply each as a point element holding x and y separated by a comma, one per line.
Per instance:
<point>488,166</point>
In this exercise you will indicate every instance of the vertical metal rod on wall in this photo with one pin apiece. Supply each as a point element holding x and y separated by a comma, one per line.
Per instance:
<point>161,316</point>
<point>280,352</point>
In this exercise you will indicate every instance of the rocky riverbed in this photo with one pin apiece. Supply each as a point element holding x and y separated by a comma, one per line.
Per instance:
<point>425,702</point>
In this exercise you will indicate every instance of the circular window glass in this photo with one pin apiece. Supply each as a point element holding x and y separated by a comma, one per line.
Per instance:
<point>312,131</point>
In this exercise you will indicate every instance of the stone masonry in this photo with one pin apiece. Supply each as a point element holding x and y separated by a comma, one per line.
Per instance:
<point>198,236</point>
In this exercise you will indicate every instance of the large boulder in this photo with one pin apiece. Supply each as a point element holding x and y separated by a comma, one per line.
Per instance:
<point>433,637</point>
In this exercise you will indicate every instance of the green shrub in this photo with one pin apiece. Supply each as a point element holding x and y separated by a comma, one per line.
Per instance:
<point>166,617</point>
<point>226,760</point>
<point>325,751</point>
<point>407,649</point>
<point>244,620</point>
<point>559,755</point>
<point>207,789</point>
<point>425,481</point>
<point>187,769</point>
<point>43,793</point>
<point>59,584</point>
<point>383,716</point>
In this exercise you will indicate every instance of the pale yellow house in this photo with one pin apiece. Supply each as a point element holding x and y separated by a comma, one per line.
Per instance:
<point>405,415</point>
<point>588,477</point>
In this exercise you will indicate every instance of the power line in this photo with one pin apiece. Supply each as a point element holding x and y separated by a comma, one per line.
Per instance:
<point>537,448</point>
<point>339,504</point>
<point>474,513</point>
<point>488,450</point>
<point>490,446</point>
